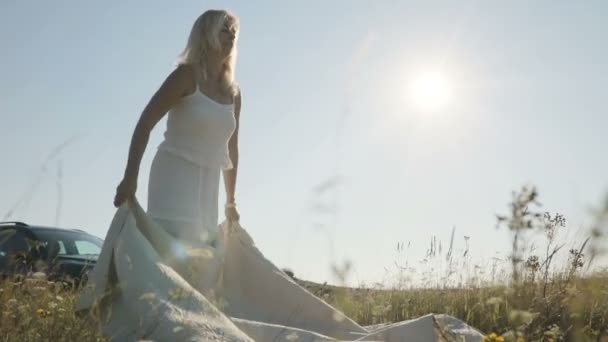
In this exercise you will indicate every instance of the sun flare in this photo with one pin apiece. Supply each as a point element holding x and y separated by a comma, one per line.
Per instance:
<point>430,91</point>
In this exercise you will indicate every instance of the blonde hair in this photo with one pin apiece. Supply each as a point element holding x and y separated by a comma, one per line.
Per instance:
<point>203,38</point>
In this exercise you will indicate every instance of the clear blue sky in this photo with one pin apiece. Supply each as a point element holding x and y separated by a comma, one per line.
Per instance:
<point>325,100</point>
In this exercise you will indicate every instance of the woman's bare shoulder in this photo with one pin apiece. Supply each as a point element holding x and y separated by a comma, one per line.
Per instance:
<point>183,77</point>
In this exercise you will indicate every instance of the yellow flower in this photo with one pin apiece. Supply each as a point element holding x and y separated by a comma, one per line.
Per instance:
<point>493,337</point>
<point>42,313</point>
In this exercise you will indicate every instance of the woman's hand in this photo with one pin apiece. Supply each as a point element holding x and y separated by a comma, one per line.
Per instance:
<point>232,214</point>
<point>125,190</point>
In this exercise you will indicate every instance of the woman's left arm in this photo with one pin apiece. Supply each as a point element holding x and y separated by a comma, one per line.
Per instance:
<point>230,174</point>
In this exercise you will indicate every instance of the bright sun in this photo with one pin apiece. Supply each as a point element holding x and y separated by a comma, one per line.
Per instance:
<point>430,91</point>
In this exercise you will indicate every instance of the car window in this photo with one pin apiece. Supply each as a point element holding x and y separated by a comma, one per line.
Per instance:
<point>87,248</point>
<point>12,240</point>
<point>64,242</point>
<point>62,249</point>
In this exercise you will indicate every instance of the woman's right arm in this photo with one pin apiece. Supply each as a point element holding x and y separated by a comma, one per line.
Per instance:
<point>178,84</point>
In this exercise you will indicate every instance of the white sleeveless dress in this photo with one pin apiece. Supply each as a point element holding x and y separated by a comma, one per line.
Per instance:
<point>173,274</point>
<point>184,182</point>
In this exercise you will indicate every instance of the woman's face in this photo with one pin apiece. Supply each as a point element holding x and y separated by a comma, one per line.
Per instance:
<point>227,36</point>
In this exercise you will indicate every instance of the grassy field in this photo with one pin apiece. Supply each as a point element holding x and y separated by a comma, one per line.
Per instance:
<point>570,310</point>
<point>34,309</point>
<point>536,301</point>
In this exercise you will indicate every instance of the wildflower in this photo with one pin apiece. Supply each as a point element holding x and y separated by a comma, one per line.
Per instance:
<point>522,316</point>
<point>42,313</point>
<point>493,337</point>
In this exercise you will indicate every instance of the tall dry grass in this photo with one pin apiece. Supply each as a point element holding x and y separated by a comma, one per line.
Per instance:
<point>35,309</point>
<point>536,300</point>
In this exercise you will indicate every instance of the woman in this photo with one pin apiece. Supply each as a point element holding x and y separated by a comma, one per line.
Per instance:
<point>171,274</point>
<point>204,105</point>
<point>201,139</point>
